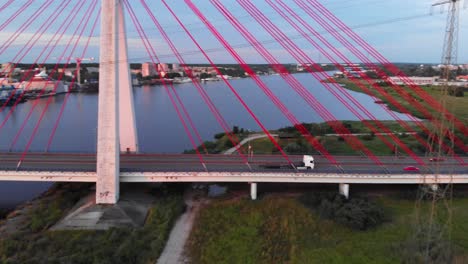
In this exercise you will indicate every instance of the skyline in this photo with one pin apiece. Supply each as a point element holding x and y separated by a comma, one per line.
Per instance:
<point>401,31</point>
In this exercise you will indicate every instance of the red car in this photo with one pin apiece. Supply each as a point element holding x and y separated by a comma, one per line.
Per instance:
<point>411,168</point>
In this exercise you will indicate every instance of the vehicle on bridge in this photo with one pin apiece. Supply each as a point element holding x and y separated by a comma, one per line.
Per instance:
<point>436,159</point>
<point>411,168</point>
<point>307,163</point>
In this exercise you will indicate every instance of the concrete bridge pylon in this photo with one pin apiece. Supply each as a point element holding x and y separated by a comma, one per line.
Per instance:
<point>116,115</point>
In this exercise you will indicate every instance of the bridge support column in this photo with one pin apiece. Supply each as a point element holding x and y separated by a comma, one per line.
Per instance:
<point>434,187</point>
<point>116,115</point>
<point>253,191</point>
<point>108,152</point>
<point>344,190</point>
<point>127,122</point>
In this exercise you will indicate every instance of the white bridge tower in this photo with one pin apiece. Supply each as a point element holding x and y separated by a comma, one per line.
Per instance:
<point>116,114</point>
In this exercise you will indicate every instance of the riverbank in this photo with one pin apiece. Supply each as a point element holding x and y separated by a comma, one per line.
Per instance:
<point>4,212</point>
<point>456,105</point>
<point>25,235</point>
<point>292,142</point>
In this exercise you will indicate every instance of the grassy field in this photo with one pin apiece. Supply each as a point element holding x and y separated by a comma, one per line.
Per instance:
<point>33,243</point>
<point>282,230</point>
<point>456,105</point>
<point>294,142</point>
<point>338,145</point>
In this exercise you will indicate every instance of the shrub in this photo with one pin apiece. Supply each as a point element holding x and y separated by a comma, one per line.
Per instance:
<point>228,144</point>
<point>456,91</point>
<point>427,246</point>
<point>356,213</point>
<point>219,135</point>
<point>296,148</point>
<point>368,137</point>
<point>4,213</point>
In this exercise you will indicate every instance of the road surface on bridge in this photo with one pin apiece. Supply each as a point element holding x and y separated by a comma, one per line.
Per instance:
<point>223,163</point>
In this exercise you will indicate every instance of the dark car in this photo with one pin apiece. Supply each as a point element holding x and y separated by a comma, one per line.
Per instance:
<point>436,159</point>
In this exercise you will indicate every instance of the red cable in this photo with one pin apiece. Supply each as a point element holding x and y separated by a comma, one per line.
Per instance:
<point>368,63</point>
<point>15,14</point>
<point>36,128</point>
<point>274,31</point>
<point>356,81</point>
<point>234,140</point>
<point>45,85</point>
<point>6,5</point>
<point>25,25</point>
<point>270,137</point>
<point>392,68</point>
<point>292,81</point>
<point>44,28</point>
<point>262,85</point>
<point>192,125</point>
<point>62,109</point>
<point>188,117</point>
<point>18,33</point>
<point>339,54</point>
<point>152,54</point>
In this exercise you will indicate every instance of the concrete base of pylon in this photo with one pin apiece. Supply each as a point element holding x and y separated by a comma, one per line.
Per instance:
<point>130,211</point>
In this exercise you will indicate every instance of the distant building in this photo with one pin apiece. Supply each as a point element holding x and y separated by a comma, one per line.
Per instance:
<point>7,66</point>
<point>148,69</point>
<point>43,81</point>
<point>7,81</point>
<point>163,67</point>
<point>339,74</point>
<point>175,67</point>
<point>462,78</point>
<point>135,71</point>
<point>416,80</point>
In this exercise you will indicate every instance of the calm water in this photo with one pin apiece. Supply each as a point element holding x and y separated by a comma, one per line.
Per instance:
<point>159,128</point>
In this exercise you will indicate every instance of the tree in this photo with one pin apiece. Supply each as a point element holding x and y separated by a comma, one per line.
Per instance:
<point>172,75</point>
<point>456,91</point>
<point>372,74</point>
<point>205,75</point>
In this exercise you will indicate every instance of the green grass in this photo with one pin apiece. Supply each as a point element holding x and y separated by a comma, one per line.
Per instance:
<point>456,105</point>
<point>339,146</point>
<point>281,230</point>
<point>295,143</point>
<point>34,244</point>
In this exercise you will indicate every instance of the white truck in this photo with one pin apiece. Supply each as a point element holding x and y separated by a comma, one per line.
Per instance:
<point>306,164</point>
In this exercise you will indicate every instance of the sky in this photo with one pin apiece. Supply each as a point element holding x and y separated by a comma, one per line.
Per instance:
<point>401,30</point>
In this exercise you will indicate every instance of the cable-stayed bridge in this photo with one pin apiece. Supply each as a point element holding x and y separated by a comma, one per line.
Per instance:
<point>118,159</point>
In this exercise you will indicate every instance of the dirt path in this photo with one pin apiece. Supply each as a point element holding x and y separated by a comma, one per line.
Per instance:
<point>174,251</point>
<point>245,140</point>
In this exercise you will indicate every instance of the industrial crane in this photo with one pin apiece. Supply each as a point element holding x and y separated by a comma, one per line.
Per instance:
<point>78,65</point>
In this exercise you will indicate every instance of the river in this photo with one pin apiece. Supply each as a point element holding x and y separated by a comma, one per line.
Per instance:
<point>159,128</point>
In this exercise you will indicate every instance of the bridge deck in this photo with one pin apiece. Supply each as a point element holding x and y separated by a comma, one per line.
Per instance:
<point>222,168</point>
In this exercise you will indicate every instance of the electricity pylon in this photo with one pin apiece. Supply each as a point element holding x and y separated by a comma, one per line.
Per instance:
<point>435,223</point>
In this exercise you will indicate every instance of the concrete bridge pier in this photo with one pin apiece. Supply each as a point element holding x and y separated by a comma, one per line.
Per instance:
<point>116,115</point>
<point>253,191</point>
<point>344,190</point>
<point>434,187</point>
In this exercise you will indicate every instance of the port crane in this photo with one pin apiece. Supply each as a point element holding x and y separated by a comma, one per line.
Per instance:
<point>78,65</point>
